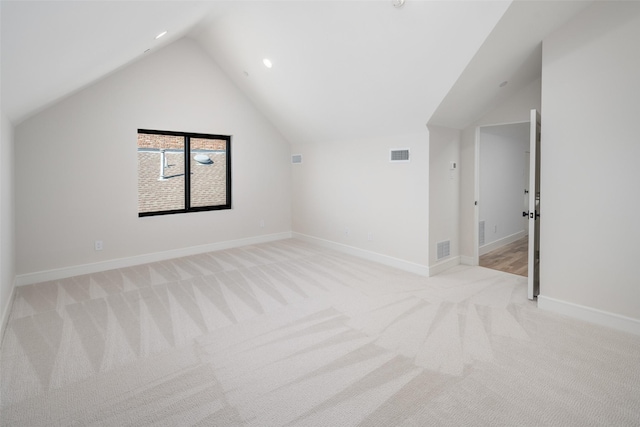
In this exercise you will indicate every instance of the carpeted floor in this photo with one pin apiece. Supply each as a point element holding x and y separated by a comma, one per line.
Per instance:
<point>287,333</point>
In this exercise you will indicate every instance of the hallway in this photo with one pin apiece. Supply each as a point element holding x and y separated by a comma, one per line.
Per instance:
<point>512,258</point>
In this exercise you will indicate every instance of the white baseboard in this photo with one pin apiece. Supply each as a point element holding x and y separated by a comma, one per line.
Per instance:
<point>443,265</point>
<point>589,314</point>
<point>485,249</point>
<point>400,264</point>
<point>468,260</point>
<point>77,270</point>
<point>5,313</point>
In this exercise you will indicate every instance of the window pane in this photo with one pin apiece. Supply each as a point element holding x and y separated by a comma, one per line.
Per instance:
<point>160,173</point>
<point>208,172</point>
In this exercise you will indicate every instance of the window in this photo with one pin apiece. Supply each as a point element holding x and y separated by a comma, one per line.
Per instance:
<point>182,172</point>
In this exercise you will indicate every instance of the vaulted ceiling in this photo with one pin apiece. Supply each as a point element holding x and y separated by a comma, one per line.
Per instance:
<point>341,69</point>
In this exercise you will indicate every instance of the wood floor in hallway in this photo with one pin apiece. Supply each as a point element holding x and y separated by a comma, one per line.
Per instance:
<point>512,258</point>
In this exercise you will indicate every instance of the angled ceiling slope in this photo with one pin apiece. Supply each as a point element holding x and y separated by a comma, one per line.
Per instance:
<point>51,49</point>
<point>341,69</point>
<point>348,69</point>
<point>511,53</point>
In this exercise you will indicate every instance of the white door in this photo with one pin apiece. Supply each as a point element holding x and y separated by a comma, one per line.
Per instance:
<point>534,207</point>
<point>525,176</point>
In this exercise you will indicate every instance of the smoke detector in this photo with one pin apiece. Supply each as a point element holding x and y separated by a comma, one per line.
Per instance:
<point>398,3</point>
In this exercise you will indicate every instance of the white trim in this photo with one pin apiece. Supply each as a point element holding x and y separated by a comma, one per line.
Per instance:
<point>497,244</point>
<point>476,198</point>
<point>400,264</point>
<point>443,265</point>
<point>490,125</point>
<point>77,270</point>
<point>5,314</point>
<point>468,260</point>
<point>589,314</point>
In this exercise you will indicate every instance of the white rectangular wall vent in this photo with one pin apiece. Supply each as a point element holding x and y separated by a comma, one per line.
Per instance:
<point>399,155</point>
<point>444,249</point>
<point>296,158</point>
<point>481,233</point>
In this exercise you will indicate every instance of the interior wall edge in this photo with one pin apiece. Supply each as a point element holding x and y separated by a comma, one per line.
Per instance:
<point>5,313</point>
<point>590,314</point>
<point>468,260</point>
<point>443,266</point>
<point>77,270</point>
<point>387,260</point>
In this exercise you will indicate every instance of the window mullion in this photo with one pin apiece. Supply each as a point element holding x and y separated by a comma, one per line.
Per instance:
<point>187,173</point>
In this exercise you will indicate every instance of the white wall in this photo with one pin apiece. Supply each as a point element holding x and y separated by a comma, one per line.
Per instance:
<point>502,181</point>
<point>76,165</point>
<point>7,225</point>
<point>444,195</point>
<point>7,236</point>
<point>590,179</point>
<point>514,110</point>
<point>352,184</point>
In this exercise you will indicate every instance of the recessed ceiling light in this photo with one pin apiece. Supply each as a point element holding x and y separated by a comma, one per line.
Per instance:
<point>398,3</point>
<point>504,83</point>
<point>161,34</point>
<point>267,63</point>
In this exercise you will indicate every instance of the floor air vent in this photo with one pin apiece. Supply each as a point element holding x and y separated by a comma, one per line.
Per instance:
<point>399,155</point>
<point>296,158</point>
<point>444,249</point>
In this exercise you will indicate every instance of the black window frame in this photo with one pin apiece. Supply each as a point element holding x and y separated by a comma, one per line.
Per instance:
<point>187,172</point>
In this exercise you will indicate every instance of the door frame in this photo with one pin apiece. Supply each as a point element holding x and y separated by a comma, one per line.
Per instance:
<point>476,190</point>
<point>533,272</point>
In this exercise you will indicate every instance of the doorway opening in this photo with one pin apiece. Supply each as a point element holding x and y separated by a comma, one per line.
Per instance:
<point>502,188</point>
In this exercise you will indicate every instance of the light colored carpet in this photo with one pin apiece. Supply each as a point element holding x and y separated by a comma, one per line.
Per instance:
<point>287,333</point>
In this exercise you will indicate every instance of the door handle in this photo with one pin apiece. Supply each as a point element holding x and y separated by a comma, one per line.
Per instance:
<point>525,213</point>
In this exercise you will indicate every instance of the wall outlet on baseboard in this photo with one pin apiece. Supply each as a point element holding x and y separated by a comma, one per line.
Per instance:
<point>347,232</point>
<point>98,245</point>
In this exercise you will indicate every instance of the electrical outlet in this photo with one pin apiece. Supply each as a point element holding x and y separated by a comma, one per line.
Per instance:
<point>262,223</point>
<point>370,236</point>
<point>98,245</point>
<point>347,232</point>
